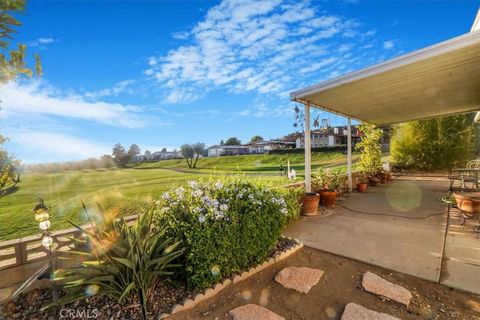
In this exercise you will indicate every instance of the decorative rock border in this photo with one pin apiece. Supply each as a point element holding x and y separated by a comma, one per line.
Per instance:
<point>216,288</point>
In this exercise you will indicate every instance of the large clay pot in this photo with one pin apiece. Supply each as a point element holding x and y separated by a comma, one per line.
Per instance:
<point>328,198</point>
<point>310,202</point>
<point>468,202</point>
<point>361,187</point>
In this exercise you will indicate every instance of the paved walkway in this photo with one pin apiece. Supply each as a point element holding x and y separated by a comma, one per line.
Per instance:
<point>400,226</point>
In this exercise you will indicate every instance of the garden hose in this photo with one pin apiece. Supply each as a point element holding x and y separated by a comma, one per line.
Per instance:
<point>389,214</point>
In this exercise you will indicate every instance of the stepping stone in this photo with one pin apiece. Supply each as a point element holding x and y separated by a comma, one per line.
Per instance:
<point>356,312</point>
<point>379,286</point>
<point>301,279</point>
<point>253,312</point>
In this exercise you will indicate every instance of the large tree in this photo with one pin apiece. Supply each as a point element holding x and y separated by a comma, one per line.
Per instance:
<point>199,149</point>
<point>133,151</point>
<point>233,141</point>
<point>119,154</point>
<point>9,173</point>
<point>256,138</point>
<point>12,65</point>
<point>12,61</point>
<point>191,153</point>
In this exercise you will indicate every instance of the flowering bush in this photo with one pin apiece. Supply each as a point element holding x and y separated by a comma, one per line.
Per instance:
<point>224,225</point>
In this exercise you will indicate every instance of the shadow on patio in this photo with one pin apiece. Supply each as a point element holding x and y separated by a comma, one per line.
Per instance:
<point>400,226</point>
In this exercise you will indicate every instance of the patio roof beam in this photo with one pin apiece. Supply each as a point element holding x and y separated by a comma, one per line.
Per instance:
<point>439,80</point>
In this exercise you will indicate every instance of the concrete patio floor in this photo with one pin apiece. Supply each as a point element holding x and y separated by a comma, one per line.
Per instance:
<point>401,226</point>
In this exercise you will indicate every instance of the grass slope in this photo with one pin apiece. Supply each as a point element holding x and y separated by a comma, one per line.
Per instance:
<point>124,191</point>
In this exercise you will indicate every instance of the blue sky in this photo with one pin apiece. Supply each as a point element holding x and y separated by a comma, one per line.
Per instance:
<point>164,73</point>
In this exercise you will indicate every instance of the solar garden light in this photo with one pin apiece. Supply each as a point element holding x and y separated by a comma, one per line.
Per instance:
<point>42,216</point>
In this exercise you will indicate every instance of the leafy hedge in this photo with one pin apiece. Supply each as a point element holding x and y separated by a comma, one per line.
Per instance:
<point>435,144</point>
<point>325,149</point>
<point>224,226</point>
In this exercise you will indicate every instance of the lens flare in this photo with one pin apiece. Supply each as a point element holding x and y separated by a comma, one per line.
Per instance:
<point>404,196</point>
<point>247,294</point>
<point>102,246</point>
<point>264,296</point>
<point>330,312</point>
<point>92,290</point>
<point>215,270</point>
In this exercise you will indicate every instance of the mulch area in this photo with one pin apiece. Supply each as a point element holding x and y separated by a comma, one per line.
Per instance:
<point>163,297</point>
<point>340,285</point>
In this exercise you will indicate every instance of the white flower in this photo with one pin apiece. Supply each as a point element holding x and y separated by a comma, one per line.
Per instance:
<point>223,207</point>
<point>250,196</point>
<point>202,218</point>
<point>218,184</point>
<point>193,184</point>
<point>166,196</point>
<point>219,214</point>
<point>284,211</point>
<point>198,193</point>
<point>180,191</point>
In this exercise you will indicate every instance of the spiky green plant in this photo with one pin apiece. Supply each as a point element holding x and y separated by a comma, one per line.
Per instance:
<point>120,261</point>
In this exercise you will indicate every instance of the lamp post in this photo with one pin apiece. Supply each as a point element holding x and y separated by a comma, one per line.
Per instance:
<point>42,216</point>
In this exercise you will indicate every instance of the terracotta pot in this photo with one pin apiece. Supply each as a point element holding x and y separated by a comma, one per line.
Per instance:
<point>373,181</point>
<point>468,202</point>
<point>361,187</point>
<point>310,203</point>
<point>328,198</point>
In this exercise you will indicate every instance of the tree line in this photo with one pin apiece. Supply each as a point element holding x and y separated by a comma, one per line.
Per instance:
<point>12,66</point>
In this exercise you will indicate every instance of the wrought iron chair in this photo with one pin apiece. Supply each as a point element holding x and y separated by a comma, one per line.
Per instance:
<point>465,177</point>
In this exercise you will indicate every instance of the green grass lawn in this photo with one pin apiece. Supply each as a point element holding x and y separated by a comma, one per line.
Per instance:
<point>124,191</point>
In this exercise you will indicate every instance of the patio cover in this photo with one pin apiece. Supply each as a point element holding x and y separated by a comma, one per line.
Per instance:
<point>439,80</point>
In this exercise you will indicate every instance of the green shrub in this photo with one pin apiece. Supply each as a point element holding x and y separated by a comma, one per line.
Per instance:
<point>370,149</point>
<point>120,261</point>
<point>435,144</point>
<point>225,225</point>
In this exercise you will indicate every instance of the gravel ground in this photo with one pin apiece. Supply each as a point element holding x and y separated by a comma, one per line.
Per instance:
<point>163,297</point>
<point>340,284</point>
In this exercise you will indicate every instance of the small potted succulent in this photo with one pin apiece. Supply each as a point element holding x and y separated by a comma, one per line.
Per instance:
<point>362,183</point>
<point>327,183</point>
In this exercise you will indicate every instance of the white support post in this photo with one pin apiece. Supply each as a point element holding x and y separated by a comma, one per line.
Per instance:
<point>308,150</point>
<point>349,153</point>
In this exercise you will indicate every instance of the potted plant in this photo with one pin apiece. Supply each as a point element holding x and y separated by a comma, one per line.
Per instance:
<point>310,201</point>
<point>370,161</point>
<point>362,183</point>
<point>327,183</point>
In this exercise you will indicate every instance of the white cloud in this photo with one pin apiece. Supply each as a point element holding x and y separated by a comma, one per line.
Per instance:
<point>181,35</point>
<point>42,42</point>
<point>43,145</point>
<point>388,45</point>
<point>124,86</point>
<point>36,98</point>
<point>251,46</point>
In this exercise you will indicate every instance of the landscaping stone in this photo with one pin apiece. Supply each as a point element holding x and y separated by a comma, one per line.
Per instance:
<point>301,279</point>
<point>253,312</point>
<point>379,286</point>
<point>356,312</point>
